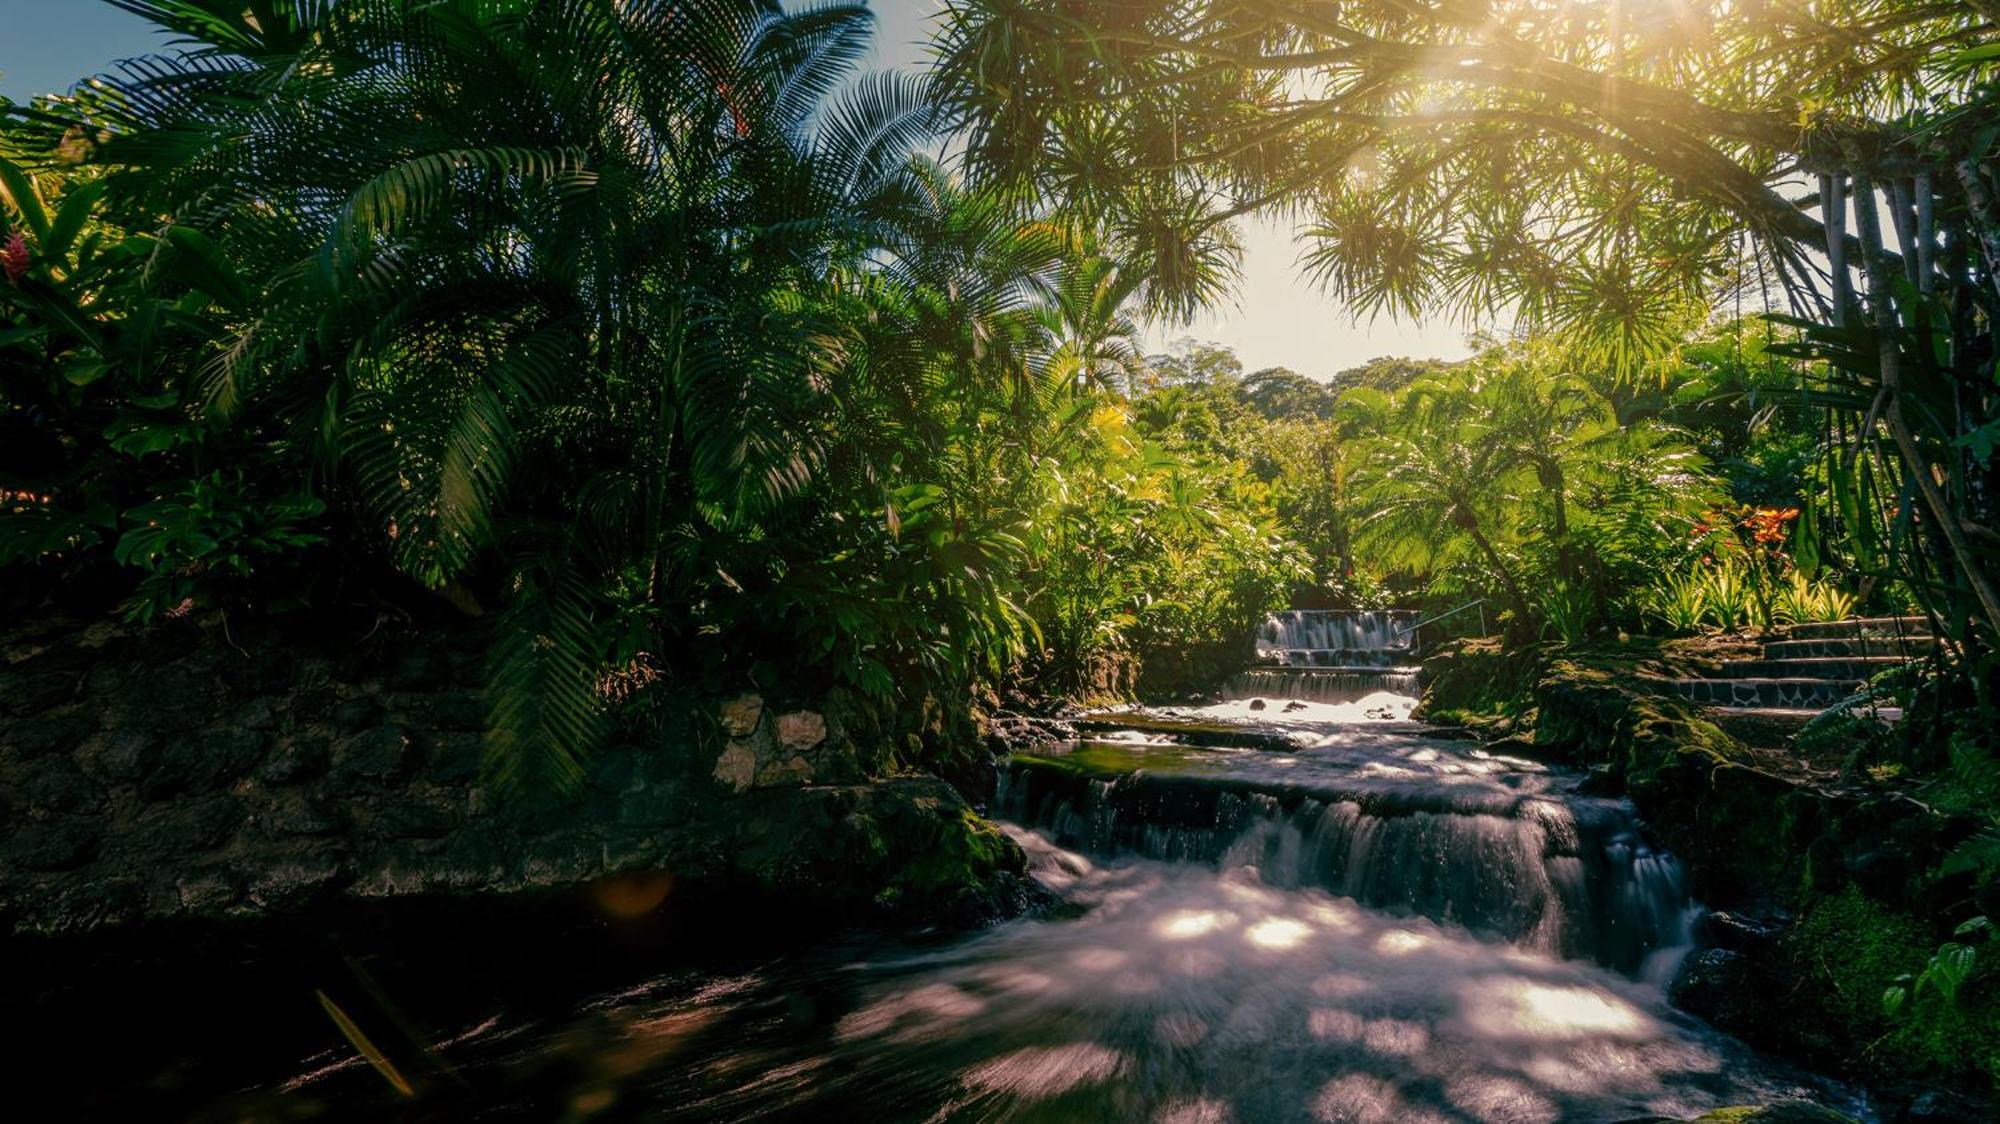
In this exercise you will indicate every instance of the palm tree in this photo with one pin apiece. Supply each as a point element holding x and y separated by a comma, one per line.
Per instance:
<point>552,288</point>
<point>1435,484</point>
<point>1093,343</point>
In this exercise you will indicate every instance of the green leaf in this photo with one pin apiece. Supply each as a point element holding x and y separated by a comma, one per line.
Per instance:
<point>85,372</point>
<point>70,217</point>
<point>1893,999</point>
<point>18,190</point>
<point>199,261</point>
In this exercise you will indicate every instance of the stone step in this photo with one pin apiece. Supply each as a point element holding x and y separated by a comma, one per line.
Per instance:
<point>1771,727</point>
<point>1858,627</point>
<point>1791,693</point>
<point>1851,668</point>
<point>1766,727</point>
<point>1848,646</point>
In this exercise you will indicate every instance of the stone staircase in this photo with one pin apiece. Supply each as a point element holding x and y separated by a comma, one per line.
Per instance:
<point>1810,667</point>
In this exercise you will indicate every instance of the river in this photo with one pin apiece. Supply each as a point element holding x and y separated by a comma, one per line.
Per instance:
<point>1375,925</point>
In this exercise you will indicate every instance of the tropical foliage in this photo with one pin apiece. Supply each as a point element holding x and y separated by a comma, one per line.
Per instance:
<point>648,331</point>
<point>1598,176</point>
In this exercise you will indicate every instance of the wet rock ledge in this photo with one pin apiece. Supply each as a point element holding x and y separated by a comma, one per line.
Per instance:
<point>177,773</point>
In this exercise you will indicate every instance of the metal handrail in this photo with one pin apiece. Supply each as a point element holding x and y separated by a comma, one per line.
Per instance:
<point>1448,612</point>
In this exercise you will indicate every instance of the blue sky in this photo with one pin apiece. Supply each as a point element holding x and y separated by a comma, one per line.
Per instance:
<point>1276,319</point>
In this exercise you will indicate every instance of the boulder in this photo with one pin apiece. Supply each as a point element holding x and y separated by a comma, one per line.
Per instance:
<point>1721,985</point>
<point>1742,932</point>
<point>801,730</point>
<point>741,715</point>
<point>737,767</point>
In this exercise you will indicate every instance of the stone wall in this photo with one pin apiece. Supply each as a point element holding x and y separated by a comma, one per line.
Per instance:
<point>175,772</point>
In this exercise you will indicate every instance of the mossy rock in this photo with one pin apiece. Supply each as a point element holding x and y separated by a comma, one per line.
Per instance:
<point>1839,958</point>
<point>908,849</point>
<point>1479,684</point>
<point>1795,1112</point>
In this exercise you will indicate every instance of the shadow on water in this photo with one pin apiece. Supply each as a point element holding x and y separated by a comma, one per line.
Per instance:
<point>1167,992</point>
<point>1376,926</point>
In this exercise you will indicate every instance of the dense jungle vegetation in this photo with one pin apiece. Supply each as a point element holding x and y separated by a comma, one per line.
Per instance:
<point>682,354</point>
<point>663,337</point>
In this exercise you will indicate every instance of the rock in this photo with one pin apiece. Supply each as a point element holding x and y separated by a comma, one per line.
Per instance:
<point>297,760</point>
<point>1027,733</point>
<point>1882,873</point>
<point>57,845</point>
<point>379,756</point>
<point>741,714</point>
<point>217,757</point>
<point>32,737</point>
<point>300,813</point>
<point>795,770</point>
<point>61,787</point>
<point>292,881</point>
<point>414,818</point>
<point>200,762</point>
<point>650,807</point>
<point>352,716</point>
<point>1256,704</point>
<point>196,824</point>
<point>34,694</point>
<point>419,668</point>
<point>801,730</point>
<point>460,712</point>
<point>208,891</point>
<point>1601,780</point>
<point>257,714</point>
<point>1720,985</point>
<point>737,767</point>
<point>1294,706</point>
<point>457,758</point>
<point>121,756</point>
<point>1739,932</point>
<point>556,862</point>
<point>167,777</point>
<point>470,859</point>
<point>1938,1107</point>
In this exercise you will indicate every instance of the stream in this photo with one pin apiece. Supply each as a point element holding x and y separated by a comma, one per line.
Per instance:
<point>1376,927</point>
<point>1344,919</point>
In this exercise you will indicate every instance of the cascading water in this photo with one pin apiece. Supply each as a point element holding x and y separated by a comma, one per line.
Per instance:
<point>1418,827</point>
<point>1354,922</point>
<point>1332,656</point>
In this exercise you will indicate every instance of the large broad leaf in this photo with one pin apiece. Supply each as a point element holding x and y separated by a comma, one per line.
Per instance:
<point>199,261</point>
<point>18,191</point>
<point>70,217</point>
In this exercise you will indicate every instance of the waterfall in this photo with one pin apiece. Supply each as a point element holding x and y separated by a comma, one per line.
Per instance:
<point>1332,656</point>
<point>1339,630</point>
<point>1571,877</point>
<point>1327,685</point>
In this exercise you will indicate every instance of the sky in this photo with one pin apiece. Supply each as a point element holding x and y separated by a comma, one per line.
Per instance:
<point>1276,319</point>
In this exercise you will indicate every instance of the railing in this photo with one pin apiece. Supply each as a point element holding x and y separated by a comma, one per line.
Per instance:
<point>1448,613</point>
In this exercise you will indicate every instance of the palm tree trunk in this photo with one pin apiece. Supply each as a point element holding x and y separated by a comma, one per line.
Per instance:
<point>1500,570</point>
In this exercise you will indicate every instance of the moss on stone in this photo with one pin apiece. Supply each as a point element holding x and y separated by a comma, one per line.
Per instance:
<point>1479,684</point>
<point>1843,952</point>
<point>1793,1113</point>
<point>1117,759</point>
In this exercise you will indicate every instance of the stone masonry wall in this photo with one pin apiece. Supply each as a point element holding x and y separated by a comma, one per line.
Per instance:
<point>176,772</point>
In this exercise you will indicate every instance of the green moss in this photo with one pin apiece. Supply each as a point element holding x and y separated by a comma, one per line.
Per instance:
<point>1843,953</point>
<point>964,857</point>
<point>1116,759</point>
<point>1478,683</point>
<point>1798,1113</point>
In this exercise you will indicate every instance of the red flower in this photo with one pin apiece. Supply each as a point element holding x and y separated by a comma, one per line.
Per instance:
<point>14,258</point>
